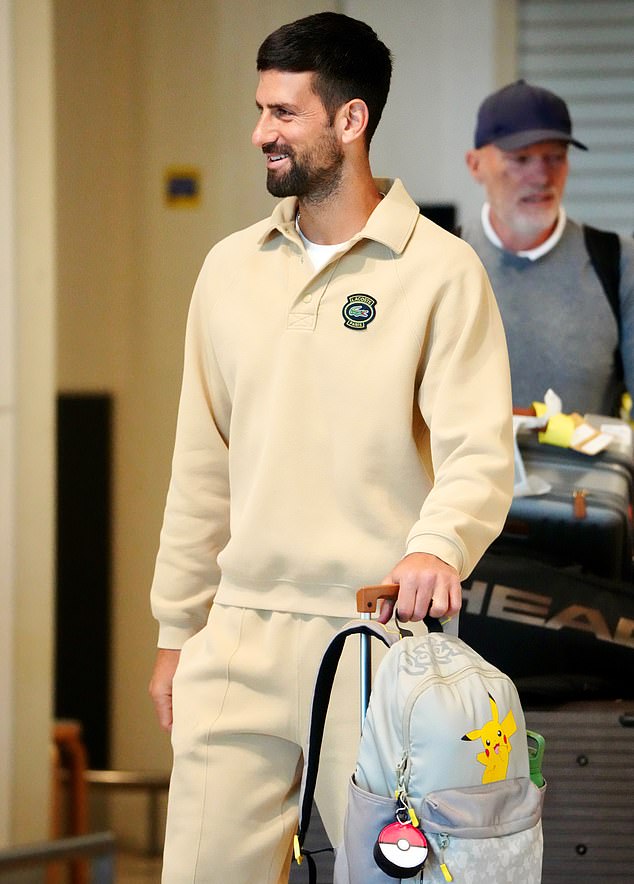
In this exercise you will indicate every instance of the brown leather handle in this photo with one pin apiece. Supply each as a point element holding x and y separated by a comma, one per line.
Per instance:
<point>368,596</point>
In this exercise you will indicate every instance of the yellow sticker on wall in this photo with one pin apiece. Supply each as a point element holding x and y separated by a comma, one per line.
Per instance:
<point>182,187</point>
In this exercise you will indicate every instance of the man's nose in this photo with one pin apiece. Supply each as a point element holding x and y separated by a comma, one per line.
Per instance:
<point>263,132</point>
<point>540,169</point>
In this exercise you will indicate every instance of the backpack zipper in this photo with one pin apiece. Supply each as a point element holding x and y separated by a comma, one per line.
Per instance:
<point>403,767</point>
<point>443,843</point>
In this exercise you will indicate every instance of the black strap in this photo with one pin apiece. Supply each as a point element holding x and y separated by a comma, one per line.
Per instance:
<point>312,865</point>
<point>604,249</point>
<point>321,701</point>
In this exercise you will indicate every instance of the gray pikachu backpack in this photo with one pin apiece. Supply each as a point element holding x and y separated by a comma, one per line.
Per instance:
<point>444,752</point>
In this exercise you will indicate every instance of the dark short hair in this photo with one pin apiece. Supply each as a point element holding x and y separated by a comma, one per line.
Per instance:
<point>346,56</point>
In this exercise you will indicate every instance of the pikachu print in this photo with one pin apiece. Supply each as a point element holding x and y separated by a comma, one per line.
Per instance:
<point>496,741</point>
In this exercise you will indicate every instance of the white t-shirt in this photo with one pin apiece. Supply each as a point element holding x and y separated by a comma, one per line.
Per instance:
<point>319,254</point>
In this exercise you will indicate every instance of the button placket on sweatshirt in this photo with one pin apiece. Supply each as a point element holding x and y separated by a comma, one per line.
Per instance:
<point>307,289</point>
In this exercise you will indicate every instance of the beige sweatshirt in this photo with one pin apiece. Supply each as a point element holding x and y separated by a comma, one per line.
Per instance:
<point>330,423</point>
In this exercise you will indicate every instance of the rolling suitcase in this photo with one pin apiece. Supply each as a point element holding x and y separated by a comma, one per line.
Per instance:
<point>588,819</point>
<point>586,517</point>
<point>423,798</point>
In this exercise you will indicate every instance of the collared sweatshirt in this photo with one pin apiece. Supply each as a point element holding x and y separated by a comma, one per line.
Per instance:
<point>332,422</point>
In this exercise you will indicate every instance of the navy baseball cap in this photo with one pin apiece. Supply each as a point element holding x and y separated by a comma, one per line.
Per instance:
<point>520,114</point>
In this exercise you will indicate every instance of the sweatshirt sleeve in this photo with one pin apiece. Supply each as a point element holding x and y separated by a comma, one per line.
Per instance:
<point>465,401</point>
<point>196,519</point>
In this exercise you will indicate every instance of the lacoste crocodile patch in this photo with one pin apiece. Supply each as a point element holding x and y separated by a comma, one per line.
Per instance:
<point>359,311</point>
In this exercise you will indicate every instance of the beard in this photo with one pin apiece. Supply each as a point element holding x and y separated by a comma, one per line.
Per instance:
<point>533,221</point>
<point>313,177</point>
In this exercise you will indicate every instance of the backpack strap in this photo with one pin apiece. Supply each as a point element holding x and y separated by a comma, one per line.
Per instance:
<point>604,249</point>
<point>321,700</point>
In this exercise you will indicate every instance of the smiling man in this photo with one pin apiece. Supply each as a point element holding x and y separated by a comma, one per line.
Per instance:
<point>563,329</point>
<point>307,161</point>
<point>332,432</point>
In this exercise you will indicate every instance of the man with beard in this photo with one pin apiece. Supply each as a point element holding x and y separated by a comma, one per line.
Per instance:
<point>562,330</point>
<point>332,432</point>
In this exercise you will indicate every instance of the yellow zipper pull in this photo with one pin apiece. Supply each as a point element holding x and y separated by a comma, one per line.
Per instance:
<point>444,841</point>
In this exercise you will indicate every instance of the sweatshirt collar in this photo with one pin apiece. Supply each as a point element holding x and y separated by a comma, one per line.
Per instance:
<point>391,223</point>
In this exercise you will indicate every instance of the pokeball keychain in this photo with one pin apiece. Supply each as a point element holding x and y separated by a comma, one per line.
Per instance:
<point>401,848</point>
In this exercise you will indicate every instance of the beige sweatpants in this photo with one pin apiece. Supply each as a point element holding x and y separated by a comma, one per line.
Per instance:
<point>242,695</point>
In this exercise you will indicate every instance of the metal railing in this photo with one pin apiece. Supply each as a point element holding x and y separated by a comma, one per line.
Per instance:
<point>151,782</point>
<point>98,849</point>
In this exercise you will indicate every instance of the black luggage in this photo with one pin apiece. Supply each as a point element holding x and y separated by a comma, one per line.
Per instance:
<point>559,633</point>
<point>586,517</point>
<point>588,819</point>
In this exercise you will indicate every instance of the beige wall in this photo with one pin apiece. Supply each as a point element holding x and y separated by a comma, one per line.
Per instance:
<point>97,130</point>
<point>7,416</point>
<point>26,417</point>
<point>447,57</point>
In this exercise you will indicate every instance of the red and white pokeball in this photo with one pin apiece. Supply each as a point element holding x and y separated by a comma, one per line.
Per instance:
<point>400,850</point>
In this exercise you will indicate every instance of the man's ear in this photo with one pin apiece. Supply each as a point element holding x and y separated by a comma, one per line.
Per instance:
<point>472,159</point>
<point>353,119</point>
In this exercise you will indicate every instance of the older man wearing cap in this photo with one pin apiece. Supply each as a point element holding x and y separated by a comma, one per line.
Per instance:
<point>568,327</point>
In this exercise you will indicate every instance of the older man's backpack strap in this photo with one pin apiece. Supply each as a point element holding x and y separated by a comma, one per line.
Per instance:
<point>604,250</point>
